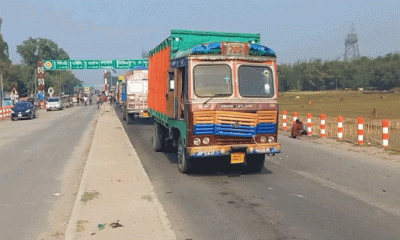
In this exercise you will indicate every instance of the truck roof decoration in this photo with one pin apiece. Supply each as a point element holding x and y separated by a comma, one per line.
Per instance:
<point>227,48</point>
<point>181,40</point>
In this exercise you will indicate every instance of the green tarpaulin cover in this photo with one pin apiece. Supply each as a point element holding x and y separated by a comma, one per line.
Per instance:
<point>184,39</point>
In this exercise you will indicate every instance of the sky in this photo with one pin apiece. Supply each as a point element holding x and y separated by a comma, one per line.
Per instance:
<point>296,30</point>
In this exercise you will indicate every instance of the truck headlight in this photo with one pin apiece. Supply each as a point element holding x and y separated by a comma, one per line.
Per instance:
<point>197,141</point>
<point>206,140</point>
<point>271,139</point>
<point>263,139</point>
<point>12,111</point>
<point>27,110</point>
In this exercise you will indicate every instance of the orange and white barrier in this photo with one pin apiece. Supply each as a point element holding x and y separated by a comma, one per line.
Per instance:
<point>360,121</point>
<point>5,112</point>
<point>323,125</point>
<point>295,115</point>
<point>309,124</point>
<point>385,133</point>
<point>9,112</point>
<point>340,128</point>
<point>284,120</point>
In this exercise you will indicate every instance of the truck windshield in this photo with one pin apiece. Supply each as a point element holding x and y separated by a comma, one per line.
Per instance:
<point>135,87</point>
<point>212,80</point>
<point>255,81</point>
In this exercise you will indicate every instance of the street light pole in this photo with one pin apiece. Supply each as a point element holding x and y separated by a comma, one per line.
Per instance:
<point>1,79</point>
<point>336,83</point>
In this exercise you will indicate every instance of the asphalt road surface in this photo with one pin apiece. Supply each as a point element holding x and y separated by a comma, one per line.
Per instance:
<point>308,191</point>
<point>33,155</point>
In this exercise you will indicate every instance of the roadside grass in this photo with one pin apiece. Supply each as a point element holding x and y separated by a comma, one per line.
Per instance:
<point>350,105</point>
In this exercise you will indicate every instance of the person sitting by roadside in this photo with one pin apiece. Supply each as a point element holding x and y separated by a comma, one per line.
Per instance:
<point>298,129</point>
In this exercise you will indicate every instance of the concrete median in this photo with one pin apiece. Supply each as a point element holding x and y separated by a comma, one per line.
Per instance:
<point>116,199</point>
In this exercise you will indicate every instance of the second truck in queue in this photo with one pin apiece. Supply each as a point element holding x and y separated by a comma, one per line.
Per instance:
<point>214,94</point>
<point>135,104</point>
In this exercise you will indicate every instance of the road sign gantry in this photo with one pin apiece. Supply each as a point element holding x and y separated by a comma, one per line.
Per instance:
<point>94,64</point>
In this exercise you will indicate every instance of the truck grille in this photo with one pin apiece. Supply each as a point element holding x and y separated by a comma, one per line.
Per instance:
<point>234,118</point>
<point>267,116</point>
<point>225,140</point>
<point>234,124</point>
<point>234,130</point>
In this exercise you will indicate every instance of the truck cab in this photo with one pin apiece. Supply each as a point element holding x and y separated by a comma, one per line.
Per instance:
<point>221,100</point>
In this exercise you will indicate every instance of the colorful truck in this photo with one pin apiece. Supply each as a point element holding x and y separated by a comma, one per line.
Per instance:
<point>135,104</point>
<point>214,94</point>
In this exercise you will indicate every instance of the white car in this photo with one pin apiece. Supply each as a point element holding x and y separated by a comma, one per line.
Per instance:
<point>54,103</point>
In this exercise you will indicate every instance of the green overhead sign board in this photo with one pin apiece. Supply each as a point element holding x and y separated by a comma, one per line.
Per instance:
<point>94,64</point>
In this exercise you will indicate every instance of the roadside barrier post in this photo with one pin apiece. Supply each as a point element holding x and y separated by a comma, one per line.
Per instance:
<point>9,112</point>
<point>309,124</point>
<point>323,126</point>
<point>385,133</point>
<point>295,115</point>
<point>360,121</point>
<point>340,128</point>
<point>1,113</point>
<point>284,118</point>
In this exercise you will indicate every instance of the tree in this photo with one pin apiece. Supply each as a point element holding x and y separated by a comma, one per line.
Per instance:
<point>4,54</point>
<point>33,50</point>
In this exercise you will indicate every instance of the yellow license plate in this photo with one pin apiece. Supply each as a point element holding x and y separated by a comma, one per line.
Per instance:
<point>145,114</point>
<point>237,158</point>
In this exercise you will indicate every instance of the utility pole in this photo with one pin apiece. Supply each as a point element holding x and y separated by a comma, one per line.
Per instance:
<point>336,84</point>
<point>1,79</point>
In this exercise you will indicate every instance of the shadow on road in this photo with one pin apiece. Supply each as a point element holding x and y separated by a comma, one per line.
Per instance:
<point>215,166</point>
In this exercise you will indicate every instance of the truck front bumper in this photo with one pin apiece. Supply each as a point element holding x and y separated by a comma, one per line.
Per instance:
<point>140,112</point>
<point>212,151</point>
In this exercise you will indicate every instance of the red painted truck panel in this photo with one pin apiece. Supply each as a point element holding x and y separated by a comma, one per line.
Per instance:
<point>159,64</point>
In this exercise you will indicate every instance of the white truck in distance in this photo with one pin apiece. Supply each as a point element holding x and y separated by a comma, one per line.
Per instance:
<point>136,94</point>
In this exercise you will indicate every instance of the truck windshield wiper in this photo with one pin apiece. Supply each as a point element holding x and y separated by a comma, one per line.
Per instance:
<point>215,95</point>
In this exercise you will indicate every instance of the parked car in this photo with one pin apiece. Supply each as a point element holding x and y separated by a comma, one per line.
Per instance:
<point>23,110</point>
<point>54,103</point>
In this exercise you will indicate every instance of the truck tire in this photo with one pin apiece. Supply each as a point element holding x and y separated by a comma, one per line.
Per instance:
<point>255,163</point>
<point>184,162</point>
<point>159,137</point>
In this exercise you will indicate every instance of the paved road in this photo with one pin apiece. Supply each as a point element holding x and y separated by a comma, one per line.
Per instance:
<point>33,155</point>
<point>307,192</point>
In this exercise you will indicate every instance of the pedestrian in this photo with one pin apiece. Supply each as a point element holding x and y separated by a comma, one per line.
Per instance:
<point>298,129</point>
<point>90,101</point>
<point>98,101</point>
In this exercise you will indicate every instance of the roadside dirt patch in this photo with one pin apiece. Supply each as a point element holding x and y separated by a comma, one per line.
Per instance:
<point>369,149</point>
<point>87,196</point>
<point>80,226</point>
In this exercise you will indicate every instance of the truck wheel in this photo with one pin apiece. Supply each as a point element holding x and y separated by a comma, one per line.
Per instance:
<point>255,163</point>
<point>159,138</point>
<point>184,164</point>
<point>128,117</point>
